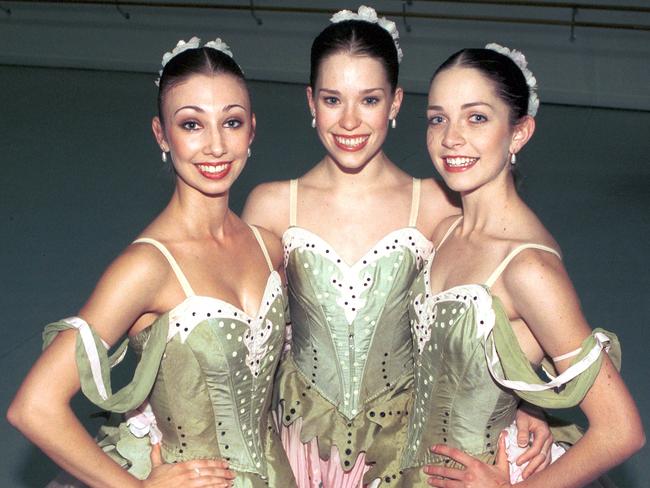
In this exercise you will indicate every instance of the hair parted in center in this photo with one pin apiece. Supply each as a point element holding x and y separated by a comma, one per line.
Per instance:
<point>358,38</point>
<point>199,61</point>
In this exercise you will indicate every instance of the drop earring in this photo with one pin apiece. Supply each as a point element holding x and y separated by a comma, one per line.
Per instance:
<point>393,123</point>
<point>513,159</point>
<point>313,120</point>
<point>164,157</point>
<point>249,152</point>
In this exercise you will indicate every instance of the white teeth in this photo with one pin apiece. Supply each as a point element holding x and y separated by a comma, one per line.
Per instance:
<point>460,161</point>
<point>210,168</point>
<point>351,141</point>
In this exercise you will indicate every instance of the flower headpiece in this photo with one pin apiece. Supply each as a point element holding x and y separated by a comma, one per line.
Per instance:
<point>193,43</point>
<point>520,60</point>
<point>369,14</point>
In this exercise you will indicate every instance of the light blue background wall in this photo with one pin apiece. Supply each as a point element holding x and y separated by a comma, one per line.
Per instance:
<point>81,173</point>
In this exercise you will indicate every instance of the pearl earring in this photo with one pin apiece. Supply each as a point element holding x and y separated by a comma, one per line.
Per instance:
<point>249,152</point>
<point>164,157</point>
<point>393,123</point>
<point>513,159</point>
<point>313,120</point>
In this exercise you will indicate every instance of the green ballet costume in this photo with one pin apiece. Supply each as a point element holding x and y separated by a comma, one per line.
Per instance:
<point>470,371</point>
<point>202,386</point>
<point>349,374</point>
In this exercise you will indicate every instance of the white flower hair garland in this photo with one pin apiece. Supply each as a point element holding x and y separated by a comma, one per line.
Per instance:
<point>520,60</point>
<point>193,43</point>
<point>369,14</point>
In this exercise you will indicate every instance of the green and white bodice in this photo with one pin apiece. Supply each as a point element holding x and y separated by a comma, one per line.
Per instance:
<point>350,335</point>
<point>456,400</point>
<point>213,388</point>
<point>202,386</point>
<point>470,371</point>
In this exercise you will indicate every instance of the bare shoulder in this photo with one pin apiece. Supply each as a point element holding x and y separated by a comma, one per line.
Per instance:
<point>127,289</point>
<point>267,206</point>
<point>538,255</point>
<point>540,291</point>
<point>443,227</point>
<point>437,203</point>
<point>273,246</point>
<point>534,268</point>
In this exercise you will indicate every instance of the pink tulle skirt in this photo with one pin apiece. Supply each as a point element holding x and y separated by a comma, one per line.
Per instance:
<point>311,471</point>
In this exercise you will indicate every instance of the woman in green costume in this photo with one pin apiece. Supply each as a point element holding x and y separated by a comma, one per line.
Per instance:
<point>356,231</point>
<point>199,295</point>
<point>494,298</point>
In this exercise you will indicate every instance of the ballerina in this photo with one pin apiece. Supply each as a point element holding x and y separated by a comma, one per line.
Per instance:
<point>199,293</point>
<point>494,298</point>
<point>356,232</point>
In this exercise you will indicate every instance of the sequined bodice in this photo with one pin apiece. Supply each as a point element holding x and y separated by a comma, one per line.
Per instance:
<point>456,400</point>
<point>350,334</point>
<point>212,391</point>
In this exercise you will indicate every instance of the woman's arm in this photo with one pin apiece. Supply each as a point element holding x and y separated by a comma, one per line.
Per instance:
<point>541,293</point>
<point>41,408</point>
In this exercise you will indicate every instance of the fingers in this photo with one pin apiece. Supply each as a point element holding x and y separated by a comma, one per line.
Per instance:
<point>156,457</point>
<point>212,470</point>
<point>523,432</point>
<point>453,453</point>
<point>536,447</point>
<point>540,461</point>
<point>501,461</point>
<point>436,472</point>
<point>444,483</point>
<point>202,464</point>
<point>442,477</point>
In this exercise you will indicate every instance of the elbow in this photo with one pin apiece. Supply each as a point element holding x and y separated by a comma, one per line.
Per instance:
<point>16,415</point>
<point>24,415</point>
<point>639,440</point>
<point>635,435</point>
<point>632,440</point>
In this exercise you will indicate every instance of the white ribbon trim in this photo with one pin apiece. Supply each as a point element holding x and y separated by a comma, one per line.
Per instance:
<point>602,343</point>
<point>568,355</point>
<point>91,351</point>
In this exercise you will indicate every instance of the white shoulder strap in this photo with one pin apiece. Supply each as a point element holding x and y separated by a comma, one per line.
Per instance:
<point>260,241</point>
<point>172,262</point>
<point>415,202</point>
<point>293,202</point>
<point>452,227</point>
<point>497,272</point>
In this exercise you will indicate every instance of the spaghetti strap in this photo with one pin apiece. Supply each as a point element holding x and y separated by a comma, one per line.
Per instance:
<point>415,202</point>
<point>172,262</point>
<point>293,202</point>
<point>452,227</point>
<point>260,241</point>
<point>497,272</point>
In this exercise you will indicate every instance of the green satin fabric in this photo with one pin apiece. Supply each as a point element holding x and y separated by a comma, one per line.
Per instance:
<point>457,402</point>
<point>518,367</point>
<point>207,400</point>
<point>379,431</point>
<point>133,394</point>
<point>354,346</point>
<point>350,370</point>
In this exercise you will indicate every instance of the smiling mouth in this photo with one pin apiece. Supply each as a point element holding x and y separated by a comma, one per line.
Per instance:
<point>214,171</point>
<point>459,163</point>
<point>351,143</point>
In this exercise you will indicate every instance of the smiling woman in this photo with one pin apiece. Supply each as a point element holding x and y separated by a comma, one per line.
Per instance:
<point>356,232</point>
<point>198,113</point>
<point>199,295</point>
<point>494,302</point>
